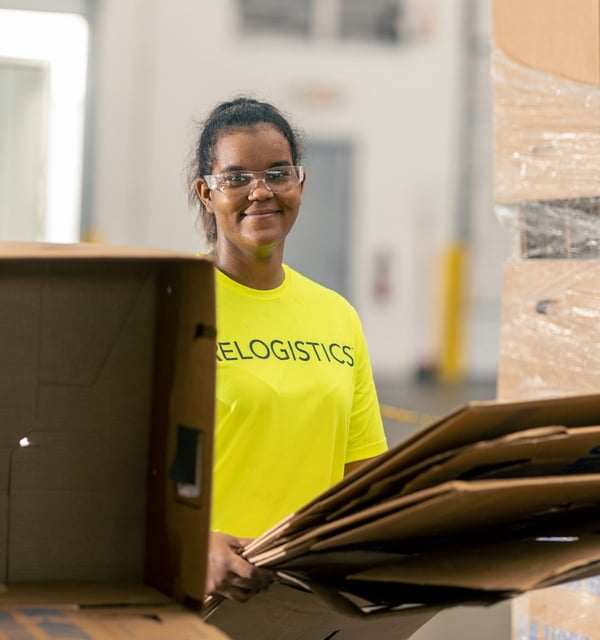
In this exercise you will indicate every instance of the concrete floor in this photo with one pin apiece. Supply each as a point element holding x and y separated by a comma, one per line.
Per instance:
<point>408,405</point>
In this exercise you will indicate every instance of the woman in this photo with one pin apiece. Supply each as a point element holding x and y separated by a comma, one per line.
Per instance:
<point>296,403</point>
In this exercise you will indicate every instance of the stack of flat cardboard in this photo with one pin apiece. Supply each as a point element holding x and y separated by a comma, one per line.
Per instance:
<point>492,500</point>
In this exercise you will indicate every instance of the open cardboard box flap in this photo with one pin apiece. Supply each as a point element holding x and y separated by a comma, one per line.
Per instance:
<point>108,366</point>
<point>52,250</point>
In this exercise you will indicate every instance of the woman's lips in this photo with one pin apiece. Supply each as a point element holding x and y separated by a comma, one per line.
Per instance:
<point>266,212</point>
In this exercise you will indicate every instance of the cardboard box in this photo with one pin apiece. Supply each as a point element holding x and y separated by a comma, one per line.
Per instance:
<point>546,100</point>
<point>549,346</point>
<point>97,612</point>
<point>546,137</point>
<point>549,327</point>
<point>546,84</point>
<point>108,366</point>
<point>565,611</point>
<point>561,37</point>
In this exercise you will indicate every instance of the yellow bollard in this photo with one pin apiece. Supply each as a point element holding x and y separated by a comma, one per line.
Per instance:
<point>453,313</point>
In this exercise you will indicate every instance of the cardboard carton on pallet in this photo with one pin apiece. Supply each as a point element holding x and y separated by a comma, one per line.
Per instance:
<point>546,105</point>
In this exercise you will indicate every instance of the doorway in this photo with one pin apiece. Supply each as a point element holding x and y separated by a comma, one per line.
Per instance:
<point>43,82</point>
<point>318,245</point>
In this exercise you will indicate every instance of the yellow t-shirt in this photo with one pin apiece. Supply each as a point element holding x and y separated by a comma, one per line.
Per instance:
<point>296,400</point>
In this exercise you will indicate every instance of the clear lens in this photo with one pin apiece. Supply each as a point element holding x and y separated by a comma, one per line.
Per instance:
<point>241,183</point>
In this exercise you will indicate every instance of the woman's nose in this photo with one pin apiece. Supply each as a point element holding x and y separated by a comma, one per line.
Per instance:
<point>262,193</point>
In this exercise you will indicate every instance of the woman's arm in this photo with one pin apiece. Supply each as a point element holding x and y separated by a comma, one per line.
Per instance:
<point>351,466</point>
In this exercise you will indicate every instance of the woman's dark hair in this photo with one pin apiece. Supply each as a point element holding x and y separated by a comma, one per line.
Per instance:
<point>240,113</point>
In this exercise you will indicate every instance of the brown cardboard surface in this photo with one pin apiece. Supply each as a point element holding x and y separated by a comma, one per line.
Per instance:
<point>288,613</point>
<point>510,456</point>
<point>565,611</point>
<point>548,331</point>
<point>83,594</point>
<point>97,611</point>
<point>461,508</point>
<point>94,341</point>
<point>81,391</point>
<point>546,137</point>
<point>43,623</point>
<point>557,36</point>
<point>466,425</point>
<point>57,251</point>
<point>190,375</point>
<point>426,526</point>
<point>3,535</point>
<point>505,566</point>
<point>548,346</point>
<point>546,95</point>
<point>536,452</point>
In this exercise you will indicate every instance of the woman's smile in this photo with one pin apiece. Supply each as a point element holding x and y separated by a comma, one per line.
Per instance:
<point>262,213</point>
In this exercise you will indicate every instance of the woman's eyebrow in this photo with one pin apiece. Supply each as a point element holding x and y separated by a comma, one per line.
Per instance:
<point>273,165</point>
<point>232,167</point>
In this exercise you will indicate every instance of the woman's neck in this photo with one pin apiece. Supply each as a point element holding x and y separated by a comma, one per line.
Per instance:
<point>256,272</point>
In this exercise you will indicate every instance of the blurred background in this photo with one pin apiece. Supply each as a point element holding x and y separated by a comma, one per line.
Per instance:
<point>99,105</point>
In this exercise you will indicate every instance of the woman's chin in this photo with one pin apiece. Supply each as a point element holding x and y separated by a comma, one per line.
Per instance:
<point>265,239</point>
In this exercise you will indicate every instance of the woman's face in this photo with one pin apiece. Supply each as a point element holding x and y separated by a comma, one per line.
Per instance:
<point>257,222</point>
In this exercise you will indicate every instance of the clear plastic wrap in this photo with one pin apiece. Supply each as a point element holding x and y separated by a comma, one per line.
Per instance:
<point>566,611</point>
<point>549,330</point>
<point>547,161</point>
<point>547,194</point>
<point>553,228</point>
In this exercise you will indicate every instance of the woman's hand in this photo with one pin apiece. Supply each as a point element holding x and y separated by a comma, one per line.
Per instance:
<point>230,575</point>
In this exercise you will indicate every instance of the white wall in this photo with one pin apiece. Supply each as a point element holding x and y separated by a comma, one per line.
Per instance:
<point>163,63</point>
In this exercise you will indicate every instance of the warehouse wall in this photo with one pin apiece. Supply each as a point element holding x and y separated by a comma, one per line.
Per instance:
<point>413,118</point>
<point>162,63</point>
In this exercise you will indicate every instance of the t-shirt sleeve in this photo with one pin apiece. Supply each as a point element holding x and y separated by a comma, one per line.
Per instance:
<point>366,437</point>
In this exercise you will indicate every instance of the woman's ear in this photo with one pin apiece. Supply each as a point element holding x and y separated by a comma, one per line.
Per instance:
<point>205,194</point>
<point>303,181</point>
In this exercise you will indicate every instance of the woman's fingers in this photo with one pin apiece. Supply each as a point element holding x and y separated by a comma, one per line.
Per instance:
<point>229,574</point>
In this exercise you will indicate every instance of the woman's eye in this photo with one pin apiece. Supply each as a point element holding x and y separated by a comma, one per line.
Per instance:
<point>277,175</point>
<point>236,179</point>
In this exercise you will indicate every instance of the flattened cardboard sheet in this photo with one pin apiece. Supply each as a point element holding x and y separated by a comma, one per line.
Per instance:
<point>469,424</point>
<point>443,513</point>
<point>462,508</point>
<point>474,509</point>
<point>545,451</point>
<point>504,566</point>
<point>288,613</point>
